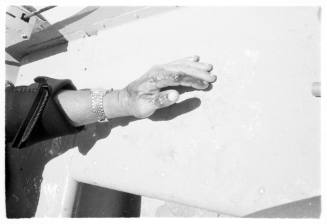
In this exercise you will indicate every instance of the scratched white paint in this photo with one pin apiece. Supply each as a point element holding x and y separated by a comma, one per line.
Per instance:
<point>58,188</point>
<point>252,143</point>
<point>59,13</point>
<point>157,208</point>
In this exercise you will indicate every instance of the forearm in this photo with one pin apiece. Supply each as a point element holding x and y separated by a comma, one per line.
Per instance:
<point>78,107</point>
<point>33,114</point>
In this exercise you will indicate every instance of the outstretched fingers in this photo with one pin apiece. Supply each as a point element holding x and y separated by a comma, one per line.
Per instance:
<point>183,75</point>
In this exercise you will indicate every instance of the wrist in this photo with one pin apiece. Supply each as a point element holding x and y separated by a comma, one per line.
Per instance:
<point>115,104</point>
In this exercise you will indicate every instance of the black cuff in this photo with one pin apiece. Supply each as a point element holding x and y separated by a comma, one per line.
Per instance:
<point>33,115</point>
<point>54,120</point>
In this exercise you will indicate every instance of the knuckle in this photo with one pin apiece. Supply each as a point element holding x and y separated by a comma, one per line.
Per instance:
<point>156,69</point>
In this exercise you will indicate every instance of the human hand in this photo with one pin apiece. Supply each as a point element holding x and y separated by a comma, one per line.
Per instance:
<point>143,97</point>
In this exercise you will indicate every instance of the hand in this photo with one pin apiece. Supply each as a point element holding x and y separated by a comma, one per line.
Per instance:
<point>143,97</point>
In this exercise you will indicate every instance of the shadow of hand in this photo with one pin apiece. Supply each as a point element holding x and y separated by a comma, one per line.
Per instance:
<point>176,110</point>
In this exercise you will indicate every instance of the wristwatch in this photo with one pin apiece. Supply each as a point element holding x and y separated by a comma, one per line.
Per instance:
<point>97,96</point>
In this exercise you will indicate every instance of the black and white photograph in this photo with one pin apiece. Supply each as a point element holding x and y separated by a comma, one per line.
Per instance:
<point>139,111</point>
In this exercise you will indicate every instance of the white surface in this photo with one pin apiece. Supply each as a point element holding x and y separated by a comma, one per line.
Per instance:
<point>253,143</point>
<point>156,208</point>
<point>59,13</point>
<point>58,188</point>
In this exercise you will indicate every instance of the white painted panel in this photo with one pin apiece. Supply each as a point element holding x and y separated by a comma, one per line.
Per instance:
<point>252,143</point>
<point>59,13</point>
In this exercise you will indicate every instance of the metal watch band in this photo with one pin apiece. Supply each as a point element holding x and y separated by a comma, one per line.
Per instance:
<point>97,103</point>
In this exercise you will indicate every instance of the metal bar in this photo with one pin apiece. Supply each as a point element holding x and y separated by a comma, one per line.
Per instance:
<point>38,11</point>
<point>316,89</point>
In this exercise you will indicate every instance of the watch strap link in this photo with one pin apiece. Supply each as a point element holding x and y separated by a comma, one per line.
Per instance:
<point>97,96</point>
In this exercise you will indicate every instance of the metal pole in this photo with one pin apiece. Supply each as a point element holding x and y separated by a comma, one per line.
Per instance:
<point>38,12</point>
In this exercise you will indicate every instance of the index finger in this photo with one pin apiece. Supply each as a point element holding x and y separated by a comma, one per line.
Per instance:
<point>194,58</point>
<point>195,72</point>
<point>167,78</point>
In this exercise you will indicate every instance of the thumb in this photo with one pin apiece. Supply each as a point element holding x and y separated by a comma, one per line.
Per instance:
<point>166,98</point>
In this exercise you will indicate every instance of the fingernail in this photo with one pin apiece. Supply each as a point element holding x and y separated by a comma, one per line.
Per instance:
<point>214,78</point>
<point>204,85</point>
<point>196,58</point>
